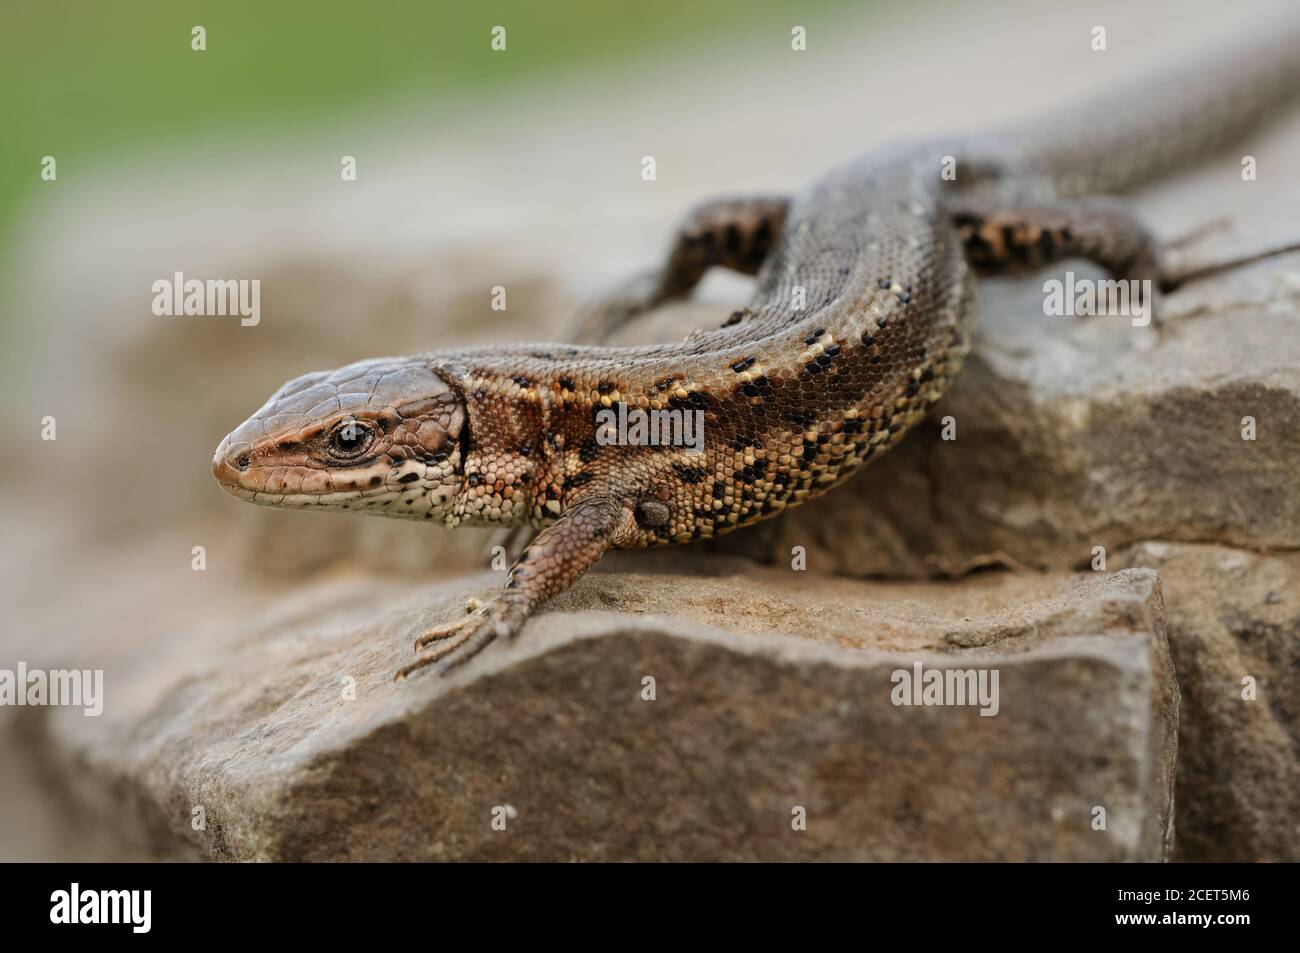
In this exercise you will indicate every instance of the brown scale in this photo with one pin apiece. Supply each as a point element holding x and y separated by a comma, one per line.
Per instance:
<point>858,323</point>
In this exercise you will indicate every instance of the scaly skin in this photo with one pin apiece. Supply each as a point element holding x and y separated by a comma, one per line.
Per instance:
<point>859,322</point>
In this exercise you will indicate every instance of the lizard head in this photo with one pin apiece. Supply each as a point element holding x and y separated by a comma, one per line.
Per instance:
<point>386,436</point>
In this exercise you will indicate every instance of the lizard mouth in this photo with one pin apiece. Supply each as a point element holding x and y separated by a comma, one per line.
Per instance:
<point>407,491</point>
<point>236,468</point>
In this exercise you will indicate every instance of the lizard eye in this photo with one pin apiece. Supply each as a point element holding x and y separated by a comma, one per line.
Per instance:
<point>350,438</point>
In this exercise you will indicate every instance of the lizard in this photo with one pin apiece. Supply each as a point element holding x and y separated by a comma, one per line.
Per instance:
<point>862,310</point>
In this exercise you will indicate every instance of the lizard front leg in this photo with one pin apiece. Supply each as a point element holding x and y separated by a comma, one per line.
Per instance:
<point>553,561</point>
<point>734,233</point>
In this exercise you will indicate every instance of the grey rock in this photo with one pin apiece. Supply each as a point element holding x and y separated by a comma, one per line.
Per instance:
<point>773,693</point>
<point>1234,615</point>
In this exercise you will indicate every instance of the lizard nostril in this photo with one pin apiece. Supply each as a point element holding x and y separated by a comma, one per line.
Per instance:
<point>243,461</point>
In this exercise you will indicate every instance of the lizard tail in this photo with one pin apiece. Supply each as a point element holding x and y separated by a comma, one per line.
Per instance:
<point>1116,142</point>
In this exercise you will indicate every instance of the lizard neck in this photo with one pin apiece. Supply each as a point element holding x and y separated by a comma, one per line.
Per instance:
<point>503,449</point>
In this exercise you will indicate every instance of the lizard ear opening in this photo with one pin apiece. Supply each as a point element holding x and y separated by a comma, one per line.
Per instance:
<point>465,438</point>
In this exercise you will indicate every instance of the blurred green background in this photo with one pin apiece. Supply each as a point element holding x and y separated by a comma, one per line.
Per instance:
<point>83,80</point>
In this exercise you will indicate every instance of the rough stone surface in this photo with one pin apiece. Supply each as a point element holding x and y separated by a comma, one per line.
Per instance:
<point>1234,615</point>
<point>783,701</point>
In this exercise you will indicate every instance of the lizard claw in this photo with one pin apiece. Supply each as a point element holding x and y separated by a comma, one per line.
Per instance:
<point>460,640</point>
<point>442,632</point>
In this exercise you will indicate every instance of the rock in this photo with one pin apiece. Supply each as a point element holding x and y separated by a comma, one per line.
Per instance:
<point>1234,615</point>
<point>772,693</point>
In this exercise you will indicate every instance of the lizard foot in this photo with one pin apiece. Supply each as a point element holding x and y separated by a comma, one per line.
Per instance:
<point>461,640</point>
<point>442,632</point>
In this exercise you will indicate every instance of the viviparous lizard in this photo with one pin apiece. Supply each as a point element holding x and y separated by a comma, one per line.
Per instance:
<point>859,321</point>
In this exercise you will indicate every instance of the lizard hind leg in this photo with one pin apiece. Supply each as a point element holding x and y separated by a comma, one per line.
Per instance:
<point>1101,230</point>
<point>1020,240</point>
<point>1012,241</point>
